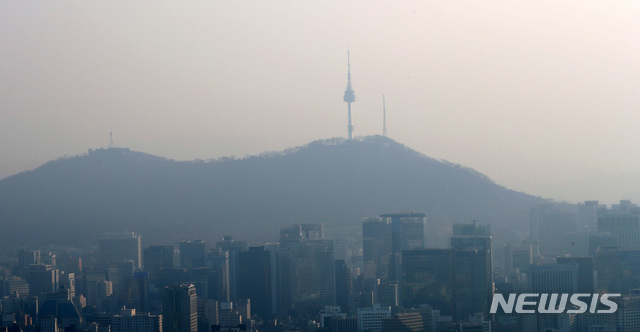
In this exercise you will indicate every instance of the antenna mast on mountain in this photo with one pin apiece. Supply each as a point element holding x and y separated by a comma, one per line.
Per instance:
<point>349,95</point>
<point>384,117</point>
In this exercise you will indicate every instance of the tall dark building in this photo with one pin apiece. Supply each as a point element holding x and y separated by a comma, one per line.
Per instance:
<point>180,309</point>
<point>472,275</point>
<point>618,270</point>
<point>156,258</point>
<point>254,279</point>
<point>234,247</point>
<point>427,278</point>
<point>306,270</point>
<point>343,285</point>
<point>376,246</point>
<point>586,274</point>
<point>407,233</point>
<point>193,253</point>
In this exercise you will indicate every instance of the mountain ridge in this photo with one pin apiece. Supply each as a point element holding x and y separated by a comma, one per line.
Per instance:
<point>335,181</point>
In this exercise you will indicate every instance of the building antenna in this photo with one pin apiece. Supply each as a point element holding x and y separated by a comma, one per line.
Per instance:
<point>384,117</point>
<point>110,138</point>
<point>349,95</point>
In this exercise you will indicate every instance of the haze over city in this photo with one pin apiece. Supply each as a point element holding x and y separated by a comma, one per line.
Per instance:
<point>541,97</point>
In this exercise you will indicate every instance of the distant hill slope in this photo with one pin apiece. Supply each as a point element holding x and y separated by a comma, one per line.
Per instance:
<point>336,181</point>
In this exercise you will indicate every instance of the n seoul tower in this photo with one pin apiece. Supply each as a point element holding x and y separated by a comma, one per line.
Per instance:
<point>349,95</point>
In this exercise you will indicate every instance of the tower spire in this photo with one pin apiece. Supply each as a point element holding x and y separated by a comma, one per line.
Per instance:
<point>384,117</point>
<point>110,139</point>
<point>349,95</point>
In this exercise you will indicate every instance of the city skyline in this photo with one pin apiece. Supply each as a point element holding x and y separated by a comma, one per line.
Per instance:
<point>542,99</point>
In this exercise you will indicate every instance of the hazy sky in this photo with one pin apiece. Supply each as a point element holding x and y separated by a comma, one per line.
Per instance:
<point>541,96</point>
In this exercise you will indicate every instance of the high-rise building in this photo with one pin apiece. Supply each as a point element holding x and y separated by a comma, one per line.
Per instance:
<point>254,279</point>
<point>193,254</point>
<point>42,280</point>
<point>156,258</point>
<point>180,309</point>
<point>376,246</point>
<point>234,247</point>
<point>623,222</point>
<point>618,270</point>
<point>343,285</point>
<point>428,279</point>
<point>407,233</point>
<point>586,276</point>
<point>307,276</point>
<point>472,275</point>
<point>118,247</point>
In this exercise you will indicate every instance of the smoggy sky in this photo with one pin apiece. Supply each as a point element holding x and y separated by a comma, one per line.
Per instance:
<point>541,96</point>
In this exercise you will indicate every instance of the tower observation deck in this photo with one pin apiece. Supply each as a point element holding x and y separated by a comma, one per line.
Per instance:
<point>349,95</point>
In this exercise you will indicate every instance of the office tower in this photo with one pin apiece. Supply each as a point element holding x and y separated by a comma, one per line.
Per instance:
<point>180,309</point>
<point>376,246</point>
<point>553,278</point>
<point>207,314</point>
<point>156,258</point>
<point>139,291</point>
<point>130,321</point>
<point>59,305</point>
<point>254,279</point>
<point>192,254</point>
<point>42,280</point>
<point>219,288</point>
<point>118,247</point>
<point>472,275</point>
<point>474,228</point>
<point>28,257</point>
<point>522,257</point>
<point>307,276</point>
<point>586,276</point>
<point>233,247</point>
<point>121,276</point>
<point>428,279</point>
<point>229,315</point>
<point>618,270</point>
<point>343,285</point>
<point>273,249</point>
<point>349,96</point>
<point>407,233</point>
<point>370,319</point>
<point>622,221</point>
<point>68,280</point>
<point>548,226</point>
